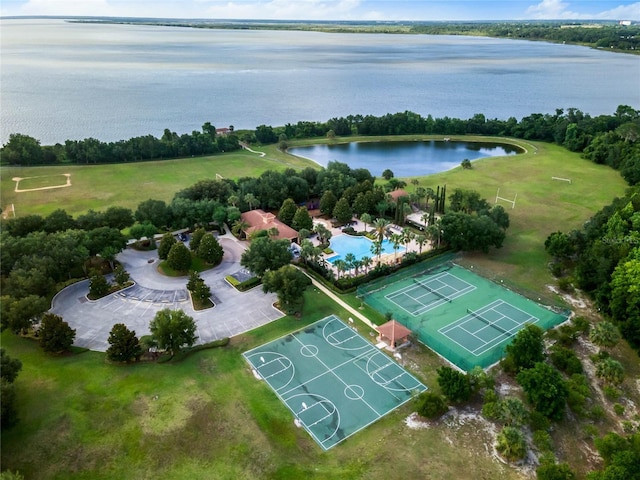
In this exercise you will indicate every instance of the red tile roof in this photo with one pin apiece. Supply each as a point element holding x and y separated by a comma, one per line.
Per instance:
<point>393,331</point>
<point>396,194</point>
<point>261,220</point>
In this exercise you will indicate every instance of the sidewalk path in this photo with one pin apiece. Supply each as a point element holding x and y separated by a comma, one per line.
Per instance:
<point>339,301</point>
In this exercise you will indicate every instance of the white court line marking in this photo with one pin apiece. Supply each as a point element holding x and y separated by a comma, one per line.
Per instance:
<point>496,340</point>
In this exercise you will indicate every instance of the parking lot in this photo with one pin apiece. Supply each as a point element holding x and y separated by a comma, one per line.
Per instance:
<point>234,312</point>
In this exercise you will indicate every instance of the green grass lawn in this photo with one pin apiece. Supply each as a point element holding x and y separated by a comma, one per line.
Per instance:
<point>98,187</point>
<point>542,205</point>
<point>206,417</point>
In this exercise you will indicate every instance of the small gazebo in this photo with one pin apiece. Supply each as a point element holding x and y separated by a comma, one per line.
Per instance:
<point>393,334</point>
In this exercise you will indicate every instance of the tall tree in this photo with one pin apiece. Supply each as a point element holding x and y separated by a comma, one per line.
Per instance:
<point>196,236</point>
<point>210,250</point>
<point>20,314</point>
<point>9,367</point>
<point>55,334</point>
<point>287,211</point>
<point>167,241</point>
<point>302,219</point>
<point>328,203</point>
<point>123,344</point>
<point>155,212</point>
<point>173,330</point>
<point>289,284</point>
<point>179,257</point>
<point>266,254</point>
<point>526,349</point>
<point>545,389</point>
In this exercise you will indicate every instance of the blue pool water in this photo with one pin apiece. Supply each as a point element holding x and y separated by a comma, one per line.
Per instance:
<point>359,246</point>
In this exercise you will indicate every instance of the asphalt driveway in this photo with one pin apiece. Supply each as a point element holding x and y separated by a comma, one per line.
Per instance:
<point>234,312</point>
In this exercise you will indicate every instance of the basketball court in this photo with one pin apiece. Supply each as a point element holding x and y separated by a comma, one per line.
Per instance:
<point>334,381</point>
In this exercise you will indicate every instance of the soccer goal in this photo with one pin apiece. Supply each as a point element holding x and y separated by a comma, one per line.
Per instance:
<point>508,200</point>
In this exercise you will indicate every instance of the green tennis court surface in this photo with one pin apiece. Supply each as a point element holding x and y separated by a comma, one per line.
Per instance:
<point>465,318</point>
<point>334,381</point>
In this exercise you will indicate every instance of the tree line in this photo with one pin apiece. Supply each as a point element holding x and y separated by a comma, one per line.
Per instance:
<point>598,35</point>
<point>604,139</point>
<point>603,259</point>
<point>27,151</point>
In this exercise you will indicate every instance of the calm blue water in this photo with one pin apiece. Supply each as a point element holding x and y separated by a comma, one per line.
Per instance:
<point>64,80</point>
<point>359,246</point>
<point>405,159</point>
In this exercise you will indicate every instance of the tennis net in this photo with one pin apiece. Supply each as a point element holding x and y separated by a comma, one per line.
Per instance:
<point>431,290</point>
<point>491,324</point>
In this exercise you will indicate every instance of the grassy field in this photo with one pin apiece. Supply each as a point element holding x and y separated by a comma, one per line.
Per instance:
<point>543,205</point>
<point>208,417</point>
<point>98,187</point>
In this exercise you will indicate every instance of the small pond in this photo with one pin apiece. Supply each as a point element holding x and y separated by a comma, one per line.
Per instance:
<point>405,158</point>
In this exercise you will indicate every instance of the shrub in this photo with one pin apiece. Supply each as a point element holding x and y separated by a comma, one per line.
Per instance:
<point>454,384</point>
<point>619,409</point>
<point>430,405</point>
<point>611,392</point>
<point>580,324</point>
<point>542,440</point>
<point>565,359</point>
<point>597,412</point>
<point>511,443</point>
<point>564,284</point>
<point>538,421</point>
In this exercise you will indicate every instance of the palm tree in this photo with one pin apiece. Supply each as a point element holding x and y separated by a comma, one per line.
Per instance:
<point>366,219</point>
<point>610,370</point>
<point>421,193</point>
<point>324,235</point>
<point>273,232</point>
<point>357,264</point>
<point>239,226</point>
<point>380,225</point>
<point>366,263</point>
<point>396,239</point>
<point>349,258</point>
<point>604,334</point>
<point>376,249</point>
<point>250,199</point>
<point>425,218</point>
<point>233,200</point>
<point>407,236</point>
<point>340,266</point>
<point>421,240</point>
<point>415,182</point>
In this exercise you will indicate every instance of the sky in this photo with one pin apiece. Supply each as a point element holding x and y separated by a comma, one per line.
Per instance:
<point>333,9</point>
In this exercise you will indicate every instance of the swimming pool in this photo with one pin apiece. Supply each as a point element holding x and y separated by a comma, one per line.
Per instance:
<point>359,246</point>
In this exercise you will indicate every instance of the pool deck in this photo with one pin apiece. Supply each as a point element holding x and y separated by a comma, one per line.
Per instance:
<point>359,226</point>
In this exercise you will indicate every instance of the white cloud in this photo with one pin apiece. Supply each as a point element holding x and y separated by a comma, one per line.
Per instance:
<point>551,9</point>
<point>623,12</point>
<point>65,7</point>
<point>285,9</point>
<point>557,9</point>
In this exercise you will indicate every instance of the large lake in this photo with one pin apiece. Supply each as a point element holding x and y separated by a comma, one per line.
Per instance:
<point>62,80</point>
<point>404,159</point>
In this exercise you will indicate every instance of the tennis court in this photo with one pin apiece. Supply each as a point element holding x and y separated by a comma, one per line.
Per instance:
<point>464,317</point>
<point>334,381</point>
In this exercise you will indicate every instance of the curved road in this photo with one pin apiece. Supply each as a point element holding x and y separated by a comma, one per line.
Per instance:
<point>234,312</point>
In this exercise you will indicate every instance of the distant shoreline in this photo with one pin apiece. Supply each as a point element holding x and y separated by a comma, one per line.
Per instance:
<point>605,35</point>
